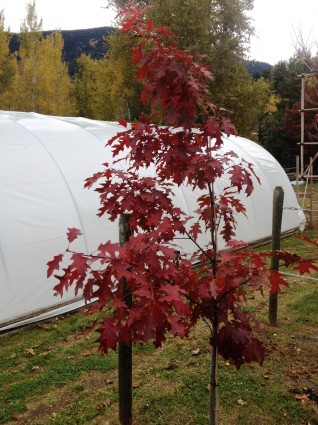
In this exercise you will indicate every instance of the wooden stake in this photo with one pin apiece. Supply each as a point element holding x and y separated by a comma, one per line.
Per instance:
<point>278,202</point>
<point>125,350</point>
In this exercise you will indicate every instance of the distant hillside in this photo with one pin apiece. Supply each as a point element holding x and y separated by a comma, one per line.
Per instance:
<point>256,68</point>
<point>90,41</point>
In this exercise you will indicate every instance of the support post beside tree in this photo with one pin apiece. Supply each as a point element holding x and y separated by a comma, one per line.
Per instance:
<point>278,202</point>
<point>125,350</point>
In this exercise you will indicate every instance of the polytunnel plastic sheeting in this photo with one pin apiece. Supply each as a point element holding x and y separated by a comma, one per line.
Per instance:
<point>44,162</point>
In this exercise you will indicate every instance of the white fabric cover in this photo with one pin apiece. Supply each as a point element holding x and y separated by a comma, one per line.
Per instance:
<point>44,162</point>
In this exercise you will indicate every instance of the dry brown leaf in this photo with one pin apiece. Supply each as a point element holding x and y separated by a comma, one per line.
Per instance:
<point>107,402</point>
<point>17,417</point>
<point>293,374</point>
<point>171,366</point>
<point>302,397</point>
<point>30,351</point>
<point>241,402</point>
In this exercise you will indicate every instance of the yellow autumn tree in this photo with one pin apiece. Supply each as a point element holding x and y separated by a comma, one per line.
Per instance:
<point>27,76</point>
<point>42,83</point>
<point>7,66</point>
<point>54,85</point>
<point>85,86</point>
<point>106,88</point>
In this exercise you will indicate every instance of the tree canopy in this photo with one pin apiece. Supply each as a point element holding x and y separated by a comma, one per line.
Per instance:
<point>220,30</point>
<point>39,80</point>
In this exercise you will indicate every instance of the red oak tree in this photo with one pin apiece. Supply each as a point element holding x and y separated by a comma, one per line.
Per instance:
<point>178,144</point>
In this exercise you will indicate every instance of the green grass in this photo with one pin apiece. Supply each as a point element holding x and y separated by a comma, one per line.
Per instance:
<point>54,374</point>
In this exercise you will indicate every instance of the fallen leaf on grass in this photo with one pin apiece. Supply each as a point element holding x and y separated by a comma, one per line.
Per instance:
<point>30,351</point>
<point>171,366</point>
<point>35,368</point>
<point>17,416</point>
<point>241,402</point>
<point>293,374</point>
<point>103,404</point>
<point>302,397</point>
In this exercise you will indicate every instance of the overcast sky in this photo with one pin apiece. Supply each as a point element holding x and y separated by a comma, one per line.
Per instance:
<point>275,21</point>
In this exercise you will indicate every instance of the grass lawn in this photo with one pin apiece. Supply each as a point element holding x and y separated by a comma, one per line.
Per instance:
<point>54,374</point>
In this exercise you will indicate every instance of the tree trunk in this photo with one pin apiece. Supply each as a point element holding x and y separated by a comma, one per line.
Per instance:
<point>214,375</point>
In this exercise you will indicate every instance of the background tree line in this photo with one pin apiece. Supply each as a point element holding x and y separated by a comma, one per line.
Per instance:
<point>38,77</point>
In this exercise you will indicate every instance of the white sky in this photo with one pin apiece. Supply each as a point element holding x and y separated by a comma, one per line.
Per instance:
<point>275,21</point>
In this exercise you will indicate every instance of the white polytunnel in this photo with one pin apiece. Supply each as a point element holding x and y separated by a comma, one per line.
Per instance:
<point>44,162</point>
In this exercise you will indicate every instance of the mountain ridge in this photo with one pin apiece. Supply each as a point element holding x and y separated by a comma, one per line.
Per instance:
<point>93,42</point>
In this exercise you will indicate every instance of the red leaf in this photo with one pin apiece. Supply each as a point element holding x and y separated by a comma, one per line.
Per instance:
<point>277,280</point>
<point>240,177</point>
<point>108,335</point>
<point>72,234</point>
<point>195,230</point>
<point>211,126</point>
<point>305,238</point>
<point>228,127</point>
<point>304,266</point>
<point>178,328</point>
<point>54,264</point>
<point>124,123</point>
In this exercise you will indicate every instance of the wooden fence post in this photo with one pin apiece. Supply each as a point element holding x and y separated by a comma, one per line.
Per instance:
<point>125,350</point>
<point>278,202</point>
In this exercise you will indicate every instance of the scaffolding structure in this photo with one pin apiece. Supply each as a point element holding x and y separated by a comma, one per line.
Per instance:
<point>306,174</point>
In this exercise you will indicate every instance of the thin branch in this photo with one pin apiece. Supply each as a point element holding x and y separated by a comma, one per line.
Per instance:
<point>198,246</point>
<point>213,236</point>
<point>233,289</point>
<point>208,325</point>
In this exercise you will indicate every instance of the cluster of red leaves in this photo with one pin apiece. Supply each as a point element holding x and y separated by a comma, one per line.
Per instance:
<point>167,292</point>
